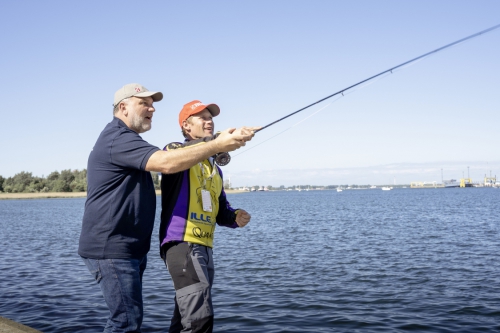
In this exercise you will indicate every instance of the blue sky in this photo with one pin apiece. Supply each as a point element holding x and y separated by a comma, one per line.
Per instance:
<point>62,61</point>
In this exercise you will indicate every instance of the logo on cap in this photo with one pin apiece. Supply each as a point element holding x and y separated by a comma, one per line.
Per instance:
<point>195,105</point>
<point>137,89</point>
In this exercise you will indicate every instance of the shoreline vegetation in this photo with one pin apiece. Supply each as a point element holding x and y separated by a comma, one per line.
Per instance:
<point>64,184</point>
<point>54,195</point>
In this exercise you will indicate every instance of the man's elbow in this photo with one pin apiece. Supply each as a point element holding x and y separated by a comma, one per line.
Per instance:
<point>169,169</point>
<point>161,163</point>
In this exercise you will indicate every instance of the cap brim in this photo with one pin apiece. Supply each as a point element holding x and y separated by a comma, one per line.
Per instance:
<point>214,109</point>
<point>156,95</point>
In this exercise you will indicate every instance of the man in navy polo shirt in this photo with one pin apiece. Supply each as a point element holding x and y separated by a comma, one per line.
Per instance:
<point>121,201</point>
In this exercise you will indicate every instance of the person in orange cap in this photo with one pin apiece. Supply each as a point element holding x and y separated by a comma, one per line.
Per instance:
<point>193,202</point>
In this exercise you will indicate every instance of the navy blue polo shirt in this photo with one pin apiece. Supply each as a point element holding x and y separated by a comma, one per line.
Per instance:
<point>121,200</point>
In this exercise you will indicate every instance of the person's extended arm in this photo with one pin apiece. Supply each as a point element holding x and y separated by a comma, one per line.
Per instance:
<point>182,159</point>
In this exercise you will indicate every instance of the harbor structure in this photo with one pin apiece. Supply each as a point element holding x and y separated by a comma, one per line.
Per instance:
<point>491,181</point>
<point>451,183</point>
<point>426,184</point>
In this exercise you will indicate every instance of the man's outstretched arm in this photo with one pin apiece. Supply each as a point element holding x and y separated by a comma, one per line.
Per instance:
<point>182,159</point>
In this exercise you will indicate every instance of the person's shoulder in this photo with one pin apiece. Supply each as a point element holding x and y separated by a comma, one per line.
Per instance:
<point>115,126</point>
<point>118,131</point>
<point>173,145</point>
<point>188,143</point>
<point>116,123</point>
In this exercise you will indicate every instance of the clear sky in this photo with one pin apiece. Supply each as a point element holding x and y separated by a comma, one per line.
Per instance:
<point>62,61</point>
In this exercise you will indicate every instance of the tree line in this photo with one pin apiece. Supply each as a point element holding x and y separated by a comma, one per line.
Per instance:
<point>64,181</point>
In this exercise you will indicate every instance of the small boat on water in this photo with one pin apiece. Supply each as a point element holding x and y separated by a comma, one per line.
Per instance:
<point>386,188</point>
<point>339,189</point>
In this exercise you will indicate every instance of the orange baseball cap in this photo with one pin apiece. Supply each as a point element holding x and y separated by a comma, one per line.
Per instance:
<point>196,106</point>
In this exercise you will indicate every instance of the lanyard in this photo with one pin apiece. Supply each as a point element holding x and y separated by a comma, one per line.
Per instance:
<point>202,167</point>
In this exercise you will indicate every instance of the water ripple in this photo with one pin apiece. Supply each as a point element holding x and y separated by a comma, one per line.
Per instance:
<point>317,261</point>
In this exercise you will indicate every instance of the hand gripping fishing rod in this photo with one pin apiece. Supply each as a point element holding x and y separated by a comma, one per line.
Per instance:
<point>381,73</point>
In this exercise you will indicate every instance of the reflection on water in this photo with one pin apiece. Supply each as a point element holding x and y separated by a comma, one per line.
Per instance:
<point>316,261</point>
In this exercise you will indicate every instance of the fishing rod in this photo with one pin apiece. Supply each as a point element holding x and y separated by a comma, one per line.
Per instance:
<point>381,73</point>
<point>224,158</point>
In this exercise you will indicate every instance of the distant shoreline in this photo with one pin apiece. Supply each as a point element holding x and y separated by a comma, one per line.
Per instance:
<point>45,195</point>
<point>55,195</point>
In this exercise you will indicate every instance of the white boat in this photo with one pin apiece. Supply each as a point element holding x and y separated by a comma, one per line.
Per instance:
<point>385,188</point>
<point>339,189</point>
<point>451,183</point>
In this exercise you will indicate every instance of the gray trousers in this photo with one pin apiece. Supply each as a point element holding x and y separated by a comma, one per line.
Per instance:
<point>191,267</point>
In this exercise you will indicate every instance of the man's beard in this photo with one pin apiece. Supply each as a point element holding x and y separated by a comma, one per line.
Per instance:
<point>137,124</point>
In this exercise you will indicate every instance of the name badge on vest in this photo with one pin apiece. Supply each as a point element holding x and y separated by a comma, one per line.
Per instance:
<point>206,200</point>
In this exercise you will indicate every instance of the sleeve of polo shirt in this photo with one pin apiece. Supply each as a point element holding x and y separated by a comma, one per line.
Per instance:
<point>131,151</point>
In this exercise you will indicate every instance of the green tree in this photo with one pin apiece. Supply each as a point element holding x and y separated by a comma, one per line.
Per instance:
<point>67,176</point>
<point>79,183</point>
<point>52,178</point>
<point>64,181</point>
<point>60,186</point>
<point>37,184</point>
<point>18,183</point>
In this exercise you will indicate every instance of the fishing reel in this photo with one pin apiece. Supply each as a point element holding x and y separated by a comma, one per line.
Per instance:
<point>222,159</point>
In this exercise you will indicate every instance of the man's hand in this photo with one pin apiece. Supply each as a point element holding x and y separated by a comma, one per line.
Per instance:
<point>232,139</point>
<point>247,132</point>
<point>242,218</point>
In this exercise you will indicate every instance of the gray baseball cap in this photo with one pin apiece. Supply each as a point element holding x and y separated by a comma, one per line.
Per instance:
<point>135,90</point>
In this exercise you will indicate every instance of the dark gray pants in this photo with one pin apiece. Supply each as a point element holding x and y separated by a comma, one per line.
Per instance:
<point>191,267</point>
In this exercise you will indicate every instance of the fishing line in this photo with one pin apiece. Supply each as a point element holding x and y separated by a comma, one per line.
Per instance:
<point>390,70</point>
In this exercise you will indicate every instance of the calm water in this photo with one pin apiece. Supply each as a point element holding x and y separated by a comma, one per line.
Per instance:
<point>317,261</point>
